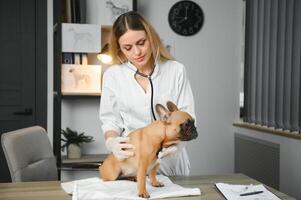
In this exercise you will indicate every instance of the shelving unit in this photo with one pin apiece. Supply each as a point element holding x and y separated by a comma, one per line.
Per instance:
<point>70,94</point>
<point>62,15</point>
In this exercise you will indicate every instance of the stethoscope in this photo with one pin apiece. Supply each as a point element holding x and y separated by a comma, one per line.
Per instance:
<point>150,81</point>
<point>152,88</point>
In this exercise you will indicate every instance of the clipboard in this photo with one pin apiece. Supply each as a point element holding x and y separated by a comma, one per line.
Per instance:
<point>245,192</point>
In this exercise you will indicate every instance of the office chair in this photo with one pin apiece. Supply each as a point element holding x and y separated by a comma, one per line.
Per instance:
<point>29,155</point>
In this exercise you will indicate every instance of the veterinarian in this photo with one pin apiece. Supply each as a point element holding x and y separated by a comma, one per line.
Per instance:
<point>143,74</point>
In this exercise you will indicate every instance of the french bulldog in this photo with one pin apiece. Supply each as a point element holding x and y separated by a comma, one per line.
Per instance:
<point>173,127</point>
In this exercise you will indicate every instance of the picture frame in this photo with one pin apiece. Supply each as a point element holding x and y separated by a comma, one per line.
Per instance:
<point>111,9</point>
<point>81,80</point>
<point>81,38</point>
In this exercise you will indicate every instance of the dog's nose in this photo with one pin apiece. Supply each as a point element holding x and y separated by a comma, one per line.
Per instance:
<point>194,133</point>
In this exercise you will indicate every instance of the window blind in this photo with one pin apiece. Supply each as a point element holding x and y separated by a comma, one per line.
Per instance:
<point>272,64</point>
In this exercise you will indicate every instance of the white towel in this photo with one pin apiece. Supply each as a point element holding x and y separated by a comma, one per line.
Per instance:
<point>95,188</point>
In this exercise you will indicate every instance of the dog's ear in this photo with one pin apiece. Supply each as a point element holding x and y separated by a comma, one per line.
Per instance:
<point>171,106</point>
<point>162,112</point>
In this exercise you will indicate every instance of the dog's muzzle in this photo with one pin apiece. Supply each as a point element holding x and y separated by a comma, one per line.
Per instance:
<point>188,131</point>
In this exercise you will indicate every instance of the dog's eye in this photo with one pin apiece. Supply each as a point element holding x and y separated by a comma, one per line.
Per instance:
<point>182,125</point>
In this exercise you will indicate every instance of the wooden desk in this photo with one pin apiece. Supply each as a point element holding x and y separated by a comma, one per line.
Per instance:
<point>52,190</point>
<point>47,190</point>
<point>210,192</point>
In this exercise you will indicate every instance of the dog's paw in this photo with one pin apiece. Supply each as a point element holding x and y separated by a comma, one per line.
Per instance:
<point>144,194</point>
<point>157,184</point>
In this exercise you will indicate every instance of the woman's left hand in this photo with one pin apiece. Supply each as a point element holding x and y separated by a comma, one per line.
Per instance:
<point>166,152</point>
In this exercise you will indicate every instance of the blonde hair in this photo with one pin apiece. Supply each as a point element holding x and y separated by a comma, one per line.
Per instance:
<point>134,21</point>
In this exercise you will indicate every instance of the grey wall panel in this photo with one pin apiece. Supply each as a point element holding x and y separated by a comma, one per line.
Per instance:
<point>258,159</point>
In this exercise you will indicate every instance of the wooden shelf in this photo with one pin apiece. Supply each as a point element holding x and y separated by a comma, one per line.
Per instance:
<point>80,94</point>
<point>86,162</point>
<point>91,158</point>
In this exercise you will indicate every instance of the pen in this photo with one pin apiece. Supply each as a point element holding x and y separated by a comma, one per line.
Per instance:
<point>251,193</point>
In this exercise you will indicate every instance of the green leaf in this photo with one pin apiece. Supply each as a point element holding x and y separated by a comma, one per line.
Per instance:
<point>72,137</point>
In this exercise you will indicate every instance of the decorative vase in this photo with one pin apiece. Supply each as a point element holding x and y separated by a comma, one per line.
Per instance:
<point>74,151</point>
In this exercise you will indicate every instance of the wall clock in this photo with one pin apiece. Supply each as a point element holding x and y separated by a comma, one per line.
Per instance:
<point>186,18</point>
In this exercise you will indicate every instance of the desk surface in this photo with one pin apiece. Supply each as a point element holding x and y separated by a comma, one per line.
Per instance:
<point>52,190</point>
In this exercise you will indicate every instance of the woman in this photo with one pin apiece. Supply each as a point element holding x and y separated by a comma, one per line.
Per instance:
<point>143,74</point>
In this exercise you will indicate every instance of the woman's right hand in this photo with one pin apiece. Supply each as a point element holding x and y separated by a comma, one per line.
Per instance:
<point>120,147</point>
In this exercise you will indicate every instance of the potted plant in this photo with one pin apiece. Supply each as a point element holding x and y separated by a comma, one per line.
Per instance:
<point>73,142</point>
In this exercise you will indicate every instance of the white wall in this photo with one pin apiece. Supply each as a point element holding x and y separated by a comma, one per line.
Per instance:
<point>81,114</point>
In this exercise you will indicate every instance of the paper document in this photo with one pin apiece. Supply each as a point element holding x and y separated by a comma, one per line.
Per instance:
<point>245,192</point>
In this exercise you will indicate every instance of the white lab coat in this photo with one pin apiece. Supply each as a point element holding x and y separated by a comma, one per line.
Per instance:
<point>126,106</point>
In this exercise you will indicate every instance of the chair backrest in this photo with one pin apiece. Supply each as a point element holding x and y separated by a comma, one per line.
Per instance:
<point>29,155</point>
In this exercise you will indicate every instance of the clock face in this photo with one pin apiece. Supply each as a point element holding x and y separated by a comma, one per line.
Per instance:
<point>186,18</point>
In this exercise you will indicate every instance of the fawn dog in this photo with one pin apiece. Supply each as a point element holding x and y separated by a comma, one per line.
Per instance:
<point>174,126</point>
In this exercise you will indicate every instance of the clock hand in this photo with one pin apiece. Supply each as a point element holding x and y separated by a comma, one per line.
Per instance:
<point>186,8</point>
<point>183,19</point>
<point>178,17</point>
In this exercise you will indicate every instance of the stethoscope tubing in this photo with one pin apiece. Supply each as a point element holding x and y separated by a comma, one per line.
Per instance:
<point>150,80</point>
<point>152,89</point>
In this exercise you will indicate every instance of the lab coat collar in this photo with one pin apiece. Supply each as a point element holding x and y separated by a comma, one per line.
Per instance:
<point>134,69</point>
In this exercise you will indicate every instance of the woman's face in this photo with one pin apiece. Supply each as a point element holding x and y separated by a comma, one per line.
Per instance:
<point>136,47</point>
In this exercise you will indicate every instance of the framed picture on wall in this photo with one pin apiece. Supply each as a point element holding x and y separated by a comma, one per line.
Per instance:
<point>111,9</point>
<point>80,38</point>
<point>81,80</point>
